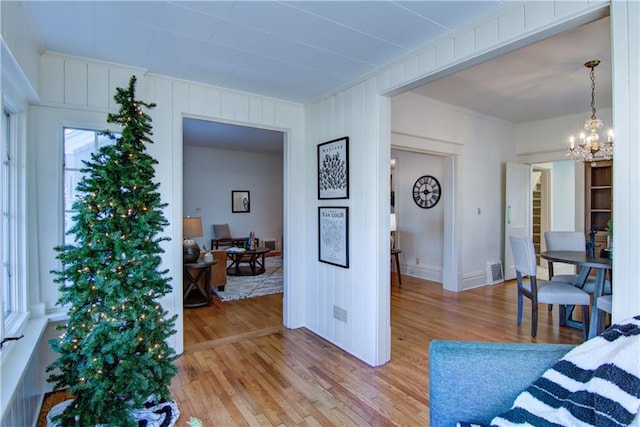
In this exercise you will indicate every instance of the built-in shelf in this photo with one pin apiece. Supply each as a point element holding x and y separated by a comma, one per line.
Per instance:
<point>598,199</point>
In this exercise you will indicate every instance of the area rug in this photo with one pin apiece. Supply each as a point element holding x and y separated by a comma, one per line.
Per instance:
<point>240,287</point>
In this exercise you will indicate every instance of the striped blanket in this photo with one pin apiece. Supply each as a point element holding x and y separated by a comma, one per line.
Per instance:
<point>595,384</point>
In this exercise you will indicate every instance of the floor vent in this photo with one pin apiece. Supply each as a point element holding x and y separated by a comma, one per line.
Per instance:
<point>494,272</point>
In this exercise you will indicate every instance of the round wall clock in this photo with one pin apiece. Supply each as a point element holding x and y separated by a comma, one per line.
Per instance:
<point>426,191</point>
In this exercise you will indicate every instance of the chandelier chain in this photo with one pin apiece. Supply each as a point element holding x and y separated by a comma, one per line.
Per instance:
<point>593,92</point>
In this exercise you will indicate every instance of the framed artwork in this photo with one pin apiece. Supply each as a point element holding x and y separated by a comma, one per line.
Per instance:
<point>333,235</point>
<point>240,202</point>
<point>333,169</point>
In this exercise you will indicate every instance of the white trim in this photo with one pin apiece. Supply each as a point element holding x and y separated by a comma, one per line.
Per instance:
<point>15,360</point>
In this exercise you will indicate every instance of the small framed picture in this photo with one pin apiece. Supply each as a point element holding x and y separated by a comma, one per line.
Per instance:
<point>240,202</point>
<point>333,235</point>
<point>333,169</point>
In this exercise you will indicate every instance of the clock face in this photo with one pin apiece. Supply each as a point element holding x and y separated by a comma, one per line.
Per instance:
<point>426,192</point>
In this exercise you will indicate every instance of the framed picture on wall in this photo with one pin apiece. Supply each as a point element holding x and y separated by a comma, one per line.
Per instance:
<point>240,202</point>
<point>333,169</point>
<point>333,235</point>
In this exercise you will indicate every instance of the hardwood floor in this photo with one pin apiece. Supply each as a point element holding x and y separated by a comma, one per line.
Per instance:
<point>241,367</point>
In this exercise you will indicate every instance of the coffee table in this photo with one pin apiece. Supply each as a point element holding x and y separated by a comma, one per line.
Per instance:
<point>253,258</point>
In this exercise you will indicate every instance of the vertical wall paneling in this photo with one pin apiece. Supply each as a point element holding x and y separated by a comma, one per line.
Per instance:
<point>411,68</point>
<point>234,106</point>
<point>626,174</point>
<point>427,60</point>
<point>98,85</point>
<point>464,44</point>
<point>511,25</point>
<point>268,112</point>
<point>396,74</point>
<point>255,110</point>
<point>486,35</point>
<point>300,177</point>
<point>538,13</point>
<point>52,79</point>
<point>22,41</point>
<point>205,99</point>
<point>75,82</point>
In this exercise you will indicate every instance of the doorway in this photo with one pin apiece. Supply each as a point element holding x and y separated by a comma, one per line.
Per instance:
<point>218,160</point>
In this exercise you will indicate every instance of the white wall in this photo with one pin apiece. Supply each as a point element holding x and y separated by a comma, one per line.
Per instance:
<point>21,49</point>
<point>68,99</point>
<point>556,131</point>
<point>359,112</point>
<point>209,177</point>
<point>564,205</point>
<point>362,289</point>
<point>481,145</point>
<point>420,232</point>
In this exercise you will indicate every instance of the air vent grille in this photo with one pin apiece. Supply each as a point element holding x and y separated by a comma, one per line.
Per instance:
<point>494,272</point>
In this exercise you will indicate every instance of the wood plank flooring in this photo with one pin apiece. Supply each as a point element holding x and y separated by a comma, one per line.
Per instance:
<point>241,367</point>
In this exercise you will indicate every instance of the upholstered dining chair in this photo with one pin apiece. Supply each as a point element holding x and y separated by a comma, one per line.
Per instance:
<point>570,241</point>
<point>543,291</point>
<point>604,304</point>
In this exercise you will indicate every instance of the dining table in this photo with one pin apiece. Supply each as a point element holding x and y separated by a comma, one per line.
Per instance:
<point>586,264</point>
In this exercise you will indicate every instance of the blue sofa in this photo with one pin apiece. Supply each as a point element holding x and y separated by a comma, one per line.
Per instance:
<point>475,381</point>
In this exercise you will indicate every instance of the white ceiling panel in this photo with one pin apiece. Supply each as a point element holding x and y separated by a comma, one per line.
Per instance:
<point>244,38</point>
<point>182,20</point>
<point>301,50</point>
<point>452,14</point>
<point>78,38</point>
<point>309,57</point>
<point>268,16</point>
<point>379,20</point>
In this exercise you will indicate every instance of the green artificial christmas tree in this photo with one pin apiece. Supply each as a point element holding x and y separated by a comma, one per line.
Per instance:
<point>113,355</point>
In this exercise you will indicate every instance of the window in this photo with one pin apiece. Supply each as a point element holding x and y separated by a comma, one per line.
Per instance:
<point>11,296</point>
<point>79,144</point>
<point>8,305</point>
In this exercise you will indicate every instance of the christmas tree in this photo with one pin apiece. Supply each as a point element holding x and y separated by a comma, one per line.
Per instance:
<point>113,354</point>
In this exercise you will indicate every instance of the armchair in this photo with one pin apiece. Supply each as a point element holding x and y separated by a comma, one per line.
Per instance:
<point>222,237</point>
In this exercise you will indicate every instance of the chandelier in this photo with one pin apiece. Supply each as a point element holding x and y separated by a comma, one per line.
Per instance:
<point>591,147</point>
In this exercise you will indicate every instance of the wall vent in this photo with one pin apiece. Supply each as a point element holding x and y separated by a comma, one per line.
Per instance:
<point>494,272</point>
<point>269,244</point>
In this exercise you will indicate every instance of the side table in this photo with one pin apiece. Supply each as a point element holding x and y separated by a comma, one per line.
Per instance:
<point>395,253</point>
<point>202,273</point>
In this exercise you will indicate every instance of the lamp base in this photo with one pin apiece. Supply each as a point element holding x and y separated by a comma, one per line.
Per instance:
<point>190,251</point>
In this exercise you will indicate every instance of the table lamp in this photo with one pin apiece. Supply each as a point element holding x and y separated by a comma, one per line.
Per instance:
<point>393,231</point>
<point>191,227</point>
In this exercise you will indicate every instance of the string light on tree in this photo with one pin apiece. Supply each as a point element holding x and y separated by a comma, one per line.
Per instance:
<point>108,276</point>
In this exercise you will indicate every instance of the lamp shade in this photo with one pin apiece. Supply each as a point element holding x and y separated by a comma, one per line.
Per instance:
<point>393,222</point>
<point>191,227</point>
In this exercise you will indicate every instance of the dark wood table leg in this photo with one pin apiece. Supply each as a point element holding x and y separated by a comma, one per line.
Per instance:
<point>205,290</point>
<point>396,256</point>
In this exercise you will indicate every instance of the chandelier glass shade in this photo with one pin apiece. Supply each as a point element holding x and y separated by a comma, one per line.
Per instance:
<point>591,147</point>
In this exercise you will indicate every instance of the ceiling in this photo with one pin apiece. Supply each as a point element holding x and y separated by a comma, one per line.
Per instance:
<point>301,50</point>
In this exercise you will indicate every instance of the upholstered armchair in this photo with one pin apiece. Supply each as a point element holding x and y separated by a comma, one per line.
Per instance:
<point>222,237</point>
<point>219,270</point>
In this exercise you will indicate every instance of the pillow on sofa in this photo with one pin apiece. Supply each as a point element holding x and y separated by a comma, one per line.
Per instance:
<point>595,384</point>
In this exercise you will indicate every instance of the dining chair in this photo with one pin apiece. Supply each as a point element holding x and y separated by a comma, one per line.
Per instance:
<point>543,291</point>
<point>604,304</point>
<point>570,241</point>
